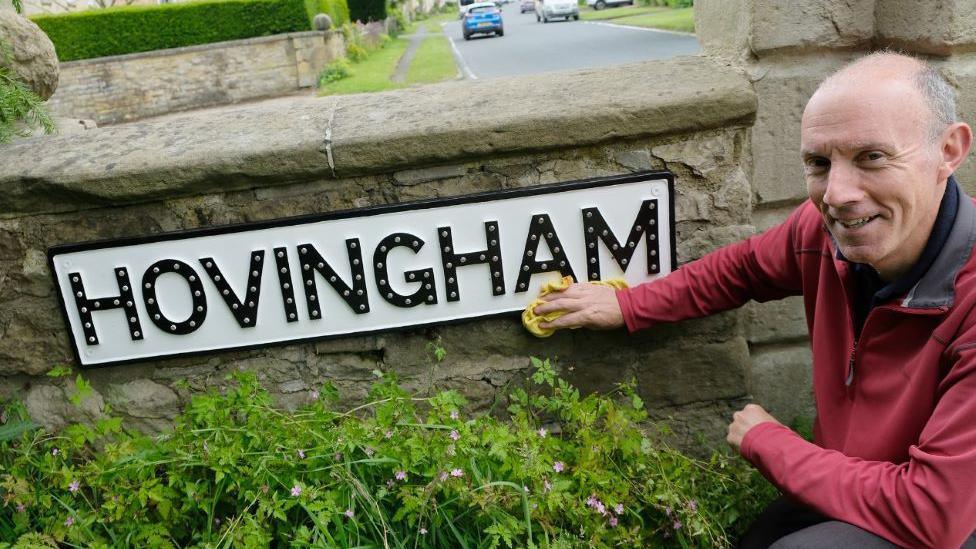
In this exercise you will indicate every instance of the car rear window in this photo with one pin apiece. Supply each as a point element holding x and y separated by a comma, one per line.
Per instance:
<point>480,9</point>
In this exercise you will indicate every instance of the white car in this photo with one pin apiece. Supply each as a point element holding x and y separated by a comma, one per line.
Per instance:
<point>546,10</point>
<point>600,4</point>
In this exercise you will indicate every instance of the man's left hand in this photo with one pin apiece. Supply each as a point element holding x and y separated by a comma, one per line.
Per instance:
<point>745,419</point>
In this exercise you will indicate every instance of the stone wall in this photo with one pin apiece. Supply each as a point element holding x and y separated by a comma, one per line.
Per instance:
<point>127,87</point>
<point>262,162</point>
<point>786,47</point>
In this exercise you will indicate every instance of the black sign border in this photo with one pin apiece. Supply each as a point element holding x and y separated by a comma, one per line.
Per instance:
<point>487,196</point>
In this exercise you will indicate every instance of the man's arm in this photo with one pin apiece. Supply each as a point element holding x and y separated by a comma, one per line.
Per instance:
<point>925,502</point>
<point>762,267</point>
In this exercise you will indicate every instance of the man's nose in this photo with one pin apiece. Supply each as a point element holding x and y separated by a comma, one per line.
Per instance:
<point>843,185</point>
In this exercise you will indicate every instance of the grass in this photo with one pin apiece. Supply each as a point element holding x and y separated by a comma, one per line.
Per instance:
<point>434,62</point>
<point>589,14</point>
<point>432,23</point>
<point>681,20</point>
<point>372,74</point>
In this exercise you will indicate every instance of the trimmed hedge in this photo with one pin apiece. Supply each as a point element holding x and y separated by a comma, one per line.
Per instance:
<point>131,29</point>
<point>367,10</point>
<point>338,10</point>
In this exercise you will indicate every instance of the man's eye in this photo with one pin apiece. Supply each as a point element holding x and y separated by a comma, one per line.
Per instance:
<point>816,164</point>
<point>872,156</point>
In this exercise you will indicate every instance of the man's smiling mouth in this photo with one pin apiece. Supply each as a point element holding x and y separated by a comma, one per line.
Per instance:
<point>855,223</point>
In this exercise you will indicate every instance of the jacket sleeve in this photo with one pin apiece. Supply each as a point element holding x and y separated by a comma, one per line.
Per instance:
<point>762,267</point>
<point>925,502</point>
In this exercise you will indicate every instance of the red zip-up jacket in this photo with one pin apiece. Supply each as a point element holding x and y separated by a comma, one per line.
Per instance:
<point>895,433</point>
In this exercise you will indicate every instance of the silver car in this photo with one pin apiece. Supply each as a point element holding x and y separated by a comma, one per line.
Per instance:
<point>546,10</point>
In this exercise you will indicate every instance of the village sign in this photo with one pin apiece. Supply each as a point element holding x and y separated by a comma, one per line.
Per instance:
<point>358,271</point>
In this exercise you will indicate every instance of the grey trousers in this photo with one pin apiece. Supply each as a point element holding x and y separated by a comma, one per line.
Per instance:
<point>785,524</point>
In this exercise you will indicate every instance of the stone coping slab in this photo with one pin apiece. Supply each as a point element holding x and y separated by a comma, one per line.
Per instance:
<point>342,136</point>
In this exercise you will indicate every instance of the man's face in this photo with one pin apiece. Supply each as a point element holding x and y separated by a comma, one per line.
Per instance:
<point>872,170</point>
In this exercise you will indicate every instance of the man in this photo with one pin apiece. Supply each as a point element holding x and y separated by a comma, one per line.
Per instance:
<point>882,254</point>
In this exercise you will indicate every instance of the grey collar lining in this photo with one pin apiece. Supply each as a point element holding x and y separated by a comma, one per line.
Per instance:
<point>937,286</point>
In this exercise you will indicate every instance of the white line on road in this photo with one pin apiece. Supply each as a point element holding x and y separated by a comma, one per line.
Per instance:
<point>603,24</point>
<point>465,69</point>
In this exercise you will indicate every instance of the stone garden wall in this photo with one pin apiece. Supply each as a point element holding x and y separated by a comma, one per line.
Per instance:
<point>127,87</point>
<point>319,154</point>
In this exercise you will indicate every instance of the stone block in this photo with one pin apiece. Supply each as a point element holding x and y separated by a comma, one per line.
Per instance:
<point>784,86</point>
<point>937,27</point>
<point>677,375</point>
<point>782,381</point>
<point>146,405</point>
<point>696,241</point>
<point>50,406</point>
<point>739,28</point>
<point>781,320</point>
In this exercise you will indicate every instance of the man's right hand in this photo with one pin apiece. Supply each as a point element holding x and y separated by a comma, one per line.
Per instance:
<point>586,305</point>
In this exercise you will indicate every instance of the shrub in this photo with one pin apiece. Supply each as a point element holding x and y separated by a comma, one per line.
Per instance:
<point>338,10</point>
<point>356,53</point>
<point>367,10</point>
<point>334,71</point>
<point>129,29</point>
<point>21,110</point>
<point>397,471</point>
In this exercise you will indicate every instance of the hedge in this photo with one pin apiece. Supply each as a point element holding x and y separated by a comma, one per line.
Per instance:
<point>131,29</point>
<point>338,10</point>
<point>367,10</point>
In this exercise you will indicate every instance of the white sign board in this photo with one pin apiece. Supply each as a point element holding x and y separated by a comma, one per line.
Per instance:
<point>358,271</point>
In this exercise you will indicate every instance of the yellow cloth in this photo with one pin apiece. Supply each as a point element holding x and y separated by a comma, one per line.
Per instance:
<point>531,320</point>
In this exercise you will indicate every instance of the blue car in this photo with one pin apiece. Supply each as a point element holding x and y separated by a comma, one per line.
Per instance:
<point>482,18</point>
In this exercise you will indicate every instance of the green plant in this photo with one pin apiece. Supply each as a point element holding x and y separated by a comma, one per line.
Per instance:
<point>356,53</point>
<point>335,71</point>
<point>21,110</point>
<point>367,10</point>
<point>566,470</point>
<point>338,10</point>
<point>129,29</point>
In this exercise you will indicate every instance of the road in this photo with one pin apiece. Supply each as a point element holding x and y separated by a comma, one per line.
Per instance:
<point>530,47</point>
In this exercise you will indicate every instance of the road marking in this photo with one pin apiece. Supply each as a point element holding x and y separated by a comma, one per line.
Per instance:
<point>465,69</point>
<point>604,24</point>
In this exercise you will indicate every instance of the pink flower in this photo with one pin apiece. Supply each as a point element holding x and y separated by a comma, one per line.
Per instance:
<point>401,475</point>
<point>390,483</point>
<point>423,531</point>
<point>55,451</point>
<point>591,501</point>
<point>542,432</point>
<point>349,513</point>
<point>301,454</point>
<point>600,508</point>
<point>693,505</point>
<point>558,466</point>
<point>613,522</point>
<point>314,394</point>
<point>369,451</point>
<point>455,435</point>
<point>388,434</point>
<point>618,508</point>
<point>338,456</point>
<point>454,414</point>
<point>69,521</point>
<point>296,490</point>
<point>457,473</point>
<point>21,508</point>
<point>668,511</point>
<point>677,525</point>
<point>74,486</point>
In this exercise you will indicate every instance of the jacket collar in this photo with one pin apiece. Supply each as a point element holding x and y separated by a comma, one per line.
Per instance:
<point>936,288</point>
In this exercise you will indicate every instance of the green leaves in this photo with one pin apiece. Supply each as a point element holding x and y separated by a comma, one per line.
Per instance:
<point>21,110</point>
<point>565,470</point>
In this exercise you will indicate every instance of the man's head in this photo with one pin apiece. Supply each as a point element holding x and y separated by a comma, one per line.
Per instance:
<point>879,140</point>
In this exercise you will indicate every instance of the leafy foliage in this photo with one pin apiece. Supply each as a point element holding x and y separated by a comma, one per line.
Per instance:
<point>566,470</point>
<point>335,71</point>
<point>21,110</point>
<point>130,29</point>
<point>367,10</point>
<point>338,10</point>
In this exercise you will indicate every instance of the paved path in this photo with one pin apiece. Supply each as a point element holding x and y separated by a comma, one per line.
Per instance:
<point>403,65</point>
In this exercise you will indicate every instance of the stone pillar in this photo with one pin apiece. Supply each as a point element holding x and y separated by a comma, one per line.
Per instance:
<point>787,47</point>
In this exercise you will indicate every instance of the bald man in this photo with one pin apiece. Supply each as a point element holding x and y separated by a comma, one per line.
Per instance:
<point>882,254</point>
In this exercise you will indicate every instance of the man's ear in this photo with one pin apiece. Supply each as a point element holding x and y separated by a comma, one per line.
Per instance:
<point>955,143</point>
